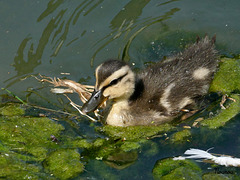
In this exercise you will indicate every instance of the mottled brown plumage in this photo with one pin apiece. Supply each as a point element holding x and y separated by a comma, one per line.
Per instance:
<point>158,93</point>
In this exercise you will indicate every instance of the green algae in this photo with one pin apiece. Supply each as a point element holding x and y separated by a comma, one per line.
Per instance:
<point>129,146</point>
<point>25,142</point>
<point>98,142</point>
<point>181,136</point>
<point>80,143</point>
<point>126,139</point>
<point>179,169</point>
<point>64,163</point>
<point>151,151</point>
<point>12,166</point>
<point>226,79</point>
<point>12,110</point>
<point>224,115</point>
<point>103,149</point>
<point>214,176</point>
<point>121,160</point>
<point>109,148</point>
<point>103,152</point>
<point>135,132</point>
<point>28,134</point>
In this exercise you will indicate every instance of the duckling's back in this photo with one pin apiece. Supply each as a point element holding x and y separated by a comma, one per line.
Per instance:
<point>168,86</point>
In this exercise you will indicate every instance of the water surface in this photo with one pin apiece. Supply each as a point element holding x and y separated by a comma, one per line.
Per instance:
<point>55,37</point>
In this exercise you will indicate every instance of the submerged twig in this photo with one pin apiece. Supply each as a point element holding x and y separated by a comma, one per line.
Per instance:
<point>224,99</point>
<point>77,108</point>
<point>11,93</point>
<point>35,106</point>
<point>84,91</point>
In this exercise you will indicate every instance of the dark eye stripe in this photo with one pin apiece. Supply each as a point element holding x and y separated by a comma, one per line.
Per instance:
<point>115,81</point>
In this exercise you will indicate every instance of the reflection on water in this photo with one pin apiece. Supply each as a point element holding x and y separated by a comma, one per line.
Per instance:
<point>70,31</point>
<point>125,23</point>
<point>34,56</point>
<point>129,13</point>
<point>51,7</point>
<point>56,32</point>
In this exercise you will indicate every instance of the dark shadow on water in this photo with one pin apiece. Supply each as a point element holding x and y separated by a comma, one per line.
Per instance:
<point>125,25</point>
<point>29,55</point>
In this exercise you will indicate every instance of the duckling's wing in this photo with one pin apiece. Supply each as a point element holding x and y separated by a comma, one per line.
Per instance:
<point>176,82</point>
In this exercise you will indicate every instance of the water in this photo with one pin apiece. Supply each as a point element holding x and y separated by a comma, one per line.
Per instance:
<point>54,37</point>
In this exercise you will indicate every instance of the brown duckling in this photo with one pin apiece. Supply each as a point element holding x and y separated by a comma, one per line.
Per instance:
<point>158,93</point>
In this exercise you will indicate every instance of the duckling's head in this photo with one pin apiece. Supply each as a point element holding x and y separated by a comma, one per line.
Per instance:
<point>114,80</point>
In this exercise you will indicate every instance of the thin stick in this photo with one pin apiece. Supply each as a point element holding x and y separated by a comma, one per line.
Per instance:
<point>51,110</point>
<point>84,91</point>
<point>14,95</point>
<point>224,99</point>
<point>76,107</point>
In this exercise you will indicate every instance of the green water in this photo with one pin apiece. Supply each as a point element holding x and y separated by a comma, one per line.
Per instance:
<point>72,36</point>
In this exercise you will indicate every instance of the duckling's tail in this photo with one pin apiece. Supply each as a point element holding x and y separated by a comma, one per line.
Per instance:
<point>206,39</point>
<point>214,39</point>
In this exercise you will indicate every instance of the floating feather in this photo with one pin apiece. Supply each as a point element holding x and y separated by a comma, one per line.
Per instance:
<point>201,154</point>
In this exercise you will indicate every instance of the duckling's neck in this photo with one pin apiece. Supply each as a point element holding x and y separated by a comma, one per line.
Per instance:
<point>119,114</point>
<point>138,90</point>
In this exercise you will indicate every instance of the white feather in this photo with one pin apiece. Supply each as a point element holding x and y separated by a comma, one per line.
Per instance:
<point>198,153</point>
<point>201,154</point>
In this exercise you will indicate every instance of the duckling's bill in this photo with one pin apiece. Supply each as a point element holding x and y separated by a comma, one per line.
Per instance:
<point>96,100</point>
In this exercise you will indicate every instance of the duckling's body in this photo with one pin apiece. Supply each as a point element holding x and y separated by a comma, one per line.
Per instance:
<point>158,93</point>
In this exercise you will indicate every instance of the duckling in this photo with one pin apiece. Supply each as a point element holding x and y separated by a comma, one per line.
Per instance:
<point>157,94</point>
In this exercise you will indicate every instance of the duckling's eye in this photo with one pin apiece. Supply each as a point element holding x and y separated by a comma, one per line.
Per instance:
<point>113,82</point>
